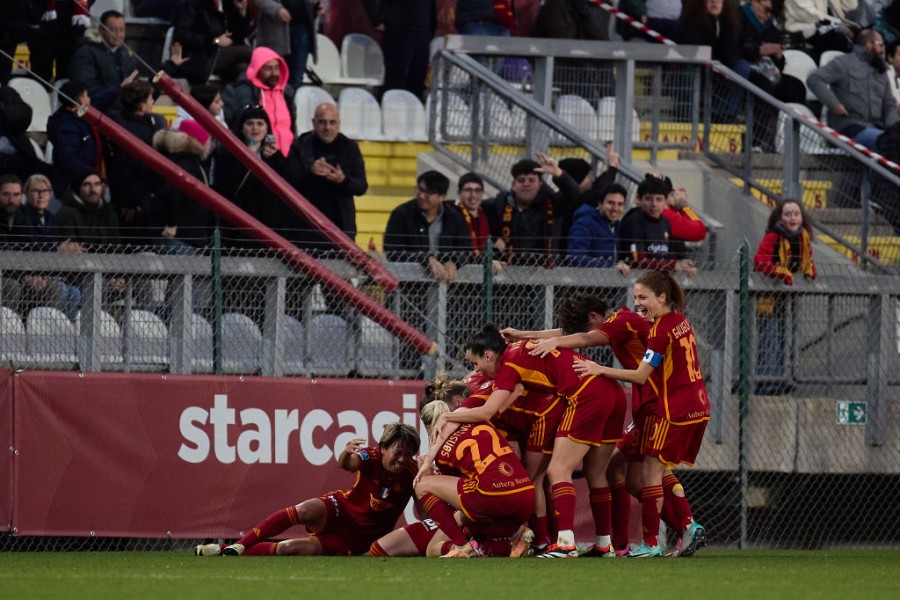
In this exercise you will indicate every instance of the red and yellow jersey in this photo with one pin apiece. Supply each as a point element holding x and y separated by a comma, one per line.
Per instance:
<point>378,497</point>
<point>478,452</point>
<point>672,352</point>
<point>551,374</point>
<point>517,420</point>
<point>627,332</point>
<point>479,384</point>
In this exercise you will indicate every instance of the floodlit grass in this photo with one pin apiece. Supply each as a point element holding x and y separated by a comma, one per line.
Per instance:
<point>726,575</point>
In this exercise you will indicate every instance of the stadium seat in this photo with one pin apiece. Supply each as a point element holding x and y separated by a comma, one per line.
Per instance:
<point>328,63</point>
<point>306,100</point>
<point>167,44</point>
<point>577,112</point>
<point>458,117</point>
<point>241,344</point>
<point>361,59</point>
<point>34,94</point>
<point>403,117</point>
<point>101,6</point>
<point>328,345</point>
<point>110,346</point>
<point>828,56</point>
<point>50,339</point>
<point>13,343</point>
<point>606,118</point>
<point>376,349</point>
<point>294,338</point>
<point>360,114</point>
<point>799,64</point>
<point>501,124</point>
<point>48,153</point>
<point>202,345</point>
<point>146,342</point>
<point>810,143</point>
<point>54,94</point>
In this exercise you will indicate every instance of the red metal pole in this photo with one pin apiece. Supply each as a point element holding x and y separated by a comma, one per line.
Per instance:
<point>228,211</point>
<point>275,183</point>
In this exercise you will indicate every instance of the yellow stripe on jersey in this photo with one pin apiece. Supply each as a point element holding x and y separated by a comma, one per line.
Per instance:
<point>531,376</point>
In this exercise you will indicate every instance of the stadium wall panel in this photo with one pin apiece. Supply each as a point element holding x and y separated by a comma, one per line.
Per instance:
<point>7,447</point>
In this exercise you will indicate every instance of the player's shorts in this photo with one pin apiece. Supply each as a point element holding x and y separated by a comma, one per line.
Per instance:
<point>675,444</point>
<point>513,507</point>
<point>342,536</point>
<point>534,431</point>
<point>636,439</point>
<point>595,414</point>
<point>421,534</point>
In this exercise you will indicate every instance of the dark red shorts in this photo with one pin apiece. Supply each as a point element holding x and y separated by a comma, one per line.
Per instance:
<point>636,439</point>
<point>675,444</point>
<point>595,414</point>
<point>510,509</point>
<point>342,536</point>
<point>421,534</point>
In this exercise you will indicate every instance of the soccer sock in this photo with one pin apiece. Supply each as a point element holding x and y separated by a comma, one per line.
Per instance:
<point>650,513</point>
<point>376,550</point>
<point>601,510</point>
<point>539,527</point>
<point>563,498</point>
<point>272,526</point>
<point>681,515</point>
<point>261,549</point>
<point>621,515</point>
<point>442,514</point>
<point>446,547</point>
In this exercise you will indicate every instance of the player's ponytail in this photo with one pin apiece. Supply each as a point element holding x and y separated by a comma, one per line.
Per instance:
<point>487,338</point>
<point>660,282</point>
<point>444,388</point>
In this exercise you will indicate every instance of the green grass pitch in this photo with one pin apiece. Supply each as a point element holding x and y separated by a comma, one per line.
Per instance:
<point>720,574</point>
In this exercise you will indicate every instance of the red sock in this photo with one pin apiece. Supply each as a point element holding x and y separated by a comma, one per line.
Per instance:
<point>261,549</point>
<point>650,513</point>
<point>541,532</point>
<point>273,525</point>
<point>680,515</point>
<point>376,550</point>
<point>621,515</point>
<point>563,497</point>
<point>442,514</point>
<point>446,547</point>
<point>601,509</point>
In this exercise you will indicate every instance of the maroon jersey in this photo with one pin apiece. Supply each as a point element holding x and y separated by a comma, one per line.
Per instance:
<point>627,332</point>
<point>478,452</point>
<point>552,374</point>
<point>378,497</point>
<point>479,384</point>
<point>672,352</point>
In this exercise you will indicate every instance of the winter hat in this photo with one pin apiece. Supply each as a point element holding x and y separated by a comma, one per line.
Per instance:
<point>253,111</point>
<point>81,173</point>
<point>577,168</point>
<point>195,130</point>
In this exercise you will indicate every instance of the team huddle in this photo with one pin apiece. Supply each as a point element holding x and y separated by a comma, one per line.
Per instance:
<point>478,496</point>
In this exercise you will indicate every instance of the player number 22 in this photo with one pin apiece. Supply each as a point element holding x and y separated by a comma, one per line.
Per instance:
<point>693,365</point>
<point>472,446</point>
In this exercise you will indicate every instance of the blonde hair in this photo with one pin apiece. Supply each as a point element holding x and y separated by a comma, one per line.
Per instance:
<point>431,411</point>
<point>444,389</point>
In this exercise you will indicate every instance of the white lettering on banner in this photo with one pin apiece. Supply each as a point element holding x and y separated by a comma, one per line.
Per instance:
<point>263,437</point>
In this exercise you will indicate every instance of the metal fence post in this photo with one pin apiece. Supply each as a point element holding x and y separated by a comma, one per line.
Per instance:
<point>881,322</point>
<point>865,191</point>
<point>489,281</point>
<point>623,128</point>
<point>744,388</point>
<point>218,299</point>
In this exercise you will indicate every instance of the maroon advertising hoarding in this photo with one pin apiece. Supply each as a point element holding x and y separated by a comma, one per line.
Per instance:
<point>6,449</point>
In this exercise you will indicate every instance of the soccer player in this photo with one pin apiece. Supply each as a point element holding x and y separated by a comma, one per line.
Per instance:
<point>424,538</point>
<point>590,426</point>
<point>682,409</point>
<point>480,476</point>
<point>342,523</point>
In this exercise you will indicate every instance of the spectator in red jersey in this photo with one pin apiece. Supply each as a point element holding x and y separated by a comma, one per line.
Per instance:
<point>682,409</point>
<point>687,226</point>
<point>343,523</point>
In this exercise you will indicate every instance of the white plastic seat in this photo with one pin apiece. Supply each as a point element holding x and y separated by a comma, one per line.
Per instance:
<point>13,342</point>
<point>458,117</point>
<point>35,96</point>
<point>146,342</point>
<point>810,143</point>
<point>50,339</point>
<point>376,349</point>
<point>361,58</point>
<point>48,153</point>
<point>828,56</point>
<point>101,6</point>
<point>241,344</point>
<point>307,98</point>
<point>328,345</point>
<point>54,94</point>
<point>328,62</point>
<point>360,114</point>
<point>403,116</point>
<point>606,119</point>
<point>577,112</point>
<point>501,125</point>
<point>293,347</point>
<point>799,64</point>
<point>202,345</point>
<point>111,356</point>
<point>167,44</point>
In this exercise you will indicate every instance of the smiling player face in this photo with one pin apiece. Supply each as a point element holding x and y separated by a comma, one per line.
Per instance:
<point>396,457</point>
<point>648,304</point>
<point>486,364</point>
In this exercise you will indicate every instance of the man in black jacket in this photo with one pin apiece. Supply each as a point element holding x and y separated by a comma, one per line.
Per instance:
<point>17,155</point>
<point>105,66</point>
<point>423,226</point>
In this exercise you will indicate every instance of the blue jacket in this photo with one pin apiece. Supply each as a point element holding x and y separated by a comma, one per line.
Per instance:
<point>74,146</point>
<point>593,241</point>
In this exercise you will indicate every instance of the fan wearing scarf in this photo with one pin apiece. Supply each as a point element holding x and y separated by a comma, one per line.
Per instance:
<point>786,248</point>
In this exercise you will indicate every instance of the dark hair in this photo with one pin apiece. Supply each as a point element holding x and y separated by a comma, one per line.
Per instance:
<point>251,111</point>
<point>891,48</point>
<point>134,94</point>
<point>435,182</point>
<point>572,314</point>
<point>694,16</point>
<point>70,89</point>
<point>614,188</point>
<point>775,216</point>
<point>10,178</point>
<point>526,166</point>
<point>661,283</point>
<point>205,93</point>
<point>577,168</point>
<point>400,433</point>
<point>865,36</point>
<point>110,14</point>
<point>469,178</point>
<point>653,186</point>
<point>486,338</point>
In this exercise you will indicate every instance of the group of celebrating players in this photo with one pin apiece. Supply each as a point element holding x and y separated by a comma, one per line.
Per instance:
<point>481,498</point>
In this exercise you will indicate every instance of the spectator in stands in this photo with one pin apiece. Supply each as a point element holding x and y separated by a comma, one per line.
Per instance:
<point>408,27</point>
<point>208,96</point>
<point>288,28</point>
<point>646,235</point>
<point>13,28</point>
<point>234,181</point>
<point>17,155</point>
<point>572,20</point>
<point>85,219</point>
<point>887,22</point>
<point>10,202</point>
<point>470,193</point>
<point>687,226</point>
<point>856,91</point>
<point>761,46</point>
<point>105,66</point>
<point>485,17</point>
<point>594,237</point>
<point>785,251</point>
<point>132,184</point>
<point>265,85</point>
<point>75,142</point>
<point>659,15</point>
<point>55,29</point>
<point>424,226</point>
<point>526,218</point>
<point>821,22</point>
<point>213,39</point>
<point>580,170</point>
<point>328,169</point>
<point>892,57</point>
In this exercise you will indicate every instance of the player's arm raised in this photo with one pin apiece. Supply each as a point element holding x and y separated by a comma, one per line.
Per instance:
<point>349,459</point>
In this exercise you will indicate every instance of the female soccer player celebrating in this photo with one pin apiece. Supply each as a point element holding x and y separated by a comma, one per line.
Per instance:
<point>682,406</point>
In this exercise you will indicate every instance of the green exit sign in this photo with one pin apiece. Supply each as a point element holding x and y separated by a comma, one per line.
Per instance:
<point>850,413</point>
